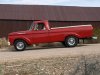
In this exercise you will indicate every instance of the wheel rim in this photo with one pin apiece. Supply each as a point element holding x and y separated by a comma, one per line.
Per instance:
<point>20,45</point>
<point>71,41</point>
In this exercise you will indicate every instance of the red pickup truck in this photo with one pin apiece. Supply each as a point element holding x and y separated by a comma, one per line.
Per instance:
<point>40,32</point>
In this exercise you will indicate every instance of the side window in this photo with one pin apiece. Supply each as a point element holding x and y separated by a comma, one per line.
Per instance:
<point>39,26</point>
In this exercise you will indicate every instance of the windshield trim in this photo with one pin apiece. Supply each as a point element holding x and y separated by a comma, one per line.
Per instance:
<point>31,26</point>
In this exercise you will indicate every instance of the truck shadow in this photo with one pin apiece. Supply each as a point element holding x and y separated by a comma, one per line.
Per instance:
<point>53,47</point>
<point>11,49</point>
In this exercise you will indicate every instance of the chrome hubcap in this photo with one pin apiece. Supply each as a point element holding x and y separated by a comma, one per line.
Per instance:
<point>20,45</point>
<point>71,41</point>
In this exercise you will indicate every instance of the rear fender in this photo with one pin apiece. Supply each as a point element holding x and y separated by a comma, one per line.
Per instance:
<point>73,34</point>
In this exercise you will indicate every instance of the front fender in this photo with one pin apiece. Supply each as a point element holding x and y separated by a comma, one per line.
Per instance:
<point>27,40</point>
<point>12,39</point>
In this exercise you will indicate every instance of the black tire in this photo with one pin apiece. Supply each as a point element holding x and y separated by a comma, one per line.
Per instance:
<point>70,41</point>
<point>20,45</point>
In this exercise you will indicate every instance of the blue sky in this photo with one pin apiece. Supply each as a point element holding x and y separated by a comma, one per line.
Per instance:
<point>86,3</point>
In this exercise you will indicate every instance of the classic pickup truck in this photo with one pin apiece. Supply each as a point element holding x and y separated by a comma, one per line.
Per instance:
<point>41,32</point>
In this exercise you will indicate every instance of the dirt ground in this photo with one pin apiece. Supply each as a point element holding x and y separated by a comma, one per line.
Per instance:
<point>9,55</point>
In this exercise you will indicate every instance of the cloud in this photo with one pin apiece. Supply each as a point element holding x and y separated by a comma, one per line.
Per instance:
<point>46,2</point>
<point>93,3</point>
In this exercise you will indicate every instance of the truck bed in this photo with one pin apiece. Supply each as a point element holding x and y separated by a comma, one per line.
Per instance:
<point>70,26</point>
<point>84,31</point>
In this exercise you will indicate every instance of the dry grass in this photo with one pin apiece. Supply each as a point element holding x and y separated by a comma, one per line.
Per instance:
<point>3,43</point>
<point>97,33</point>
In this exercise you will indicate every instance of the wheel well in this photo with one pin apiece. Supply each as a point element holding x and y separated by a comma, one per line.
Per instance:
<point>72,36</point>
<point>20,39</point>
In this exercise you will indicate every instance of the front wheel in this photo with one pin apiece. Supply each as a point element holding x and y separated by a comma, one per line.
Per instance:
<point>20,45</point>
<point>70,41</point>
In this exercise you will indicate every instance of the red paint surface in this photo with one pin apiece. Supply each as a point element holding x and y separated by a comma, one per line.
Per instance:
<point>51,34</point>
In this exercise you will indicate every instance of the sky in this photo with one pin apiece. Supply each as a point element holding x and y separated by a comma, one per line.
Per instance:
<point>84,3</point>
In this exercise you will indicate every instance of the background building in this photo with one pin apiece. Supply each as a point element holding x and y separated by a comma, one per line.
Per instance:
<point>20,17</point>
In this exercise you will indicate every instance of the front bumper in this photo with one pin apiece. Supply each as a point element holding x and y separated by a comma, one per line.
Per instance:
<point>94,37</point>
<point>8,43</point>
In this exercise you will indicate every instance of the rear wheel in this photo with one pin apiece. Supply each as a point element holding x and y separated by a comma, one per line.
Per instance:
<point>70,41</point>
<point>20,45</point>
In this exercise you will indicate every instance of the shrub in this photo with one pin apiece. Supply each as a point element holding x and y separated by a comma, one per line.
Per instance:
<point>3,42</point>
<point>97,34</point>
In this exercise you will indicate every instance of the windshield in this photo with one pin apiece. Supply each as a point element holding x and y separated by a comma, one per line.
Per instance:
<point>32,26</point>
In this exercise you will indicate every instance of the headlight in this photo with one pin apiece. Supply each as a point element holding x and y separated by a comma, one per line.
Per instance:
<point>8,43</point>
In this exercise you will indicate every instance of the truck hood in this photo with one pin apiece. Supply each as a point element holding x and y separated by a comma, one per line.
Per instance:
<point>19,33</point>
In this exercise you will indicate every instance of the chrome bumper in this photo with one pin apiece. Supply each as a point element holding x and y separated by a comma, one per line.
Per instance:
<point>94,37</point>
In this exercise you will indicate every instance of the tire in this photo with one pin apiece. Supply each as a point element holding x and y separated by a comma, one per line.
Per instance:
<point>70,41</point>
<point>20,45</point>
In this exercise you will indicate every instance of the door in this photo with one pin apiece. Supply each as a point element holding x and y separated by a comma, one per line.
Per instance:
<point>40,33</point>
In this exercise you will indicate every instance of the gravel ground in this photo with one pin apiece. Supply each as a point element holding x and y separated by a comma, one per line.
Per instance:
<point>9,55</point>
